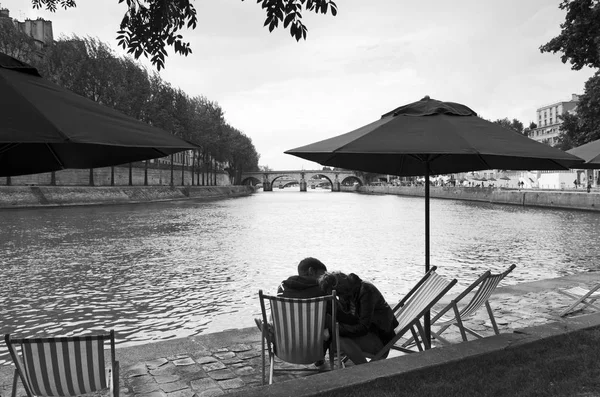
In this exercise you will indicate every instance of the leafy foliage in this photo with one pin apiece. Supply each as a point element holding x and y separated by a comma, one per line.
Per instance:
<point>149,25</point>
<point>15,43</point>
<point>579,39</point>
<point>513,124</point>
<point>289,12</point>
<point>90,68</point>
<point>583,127</point>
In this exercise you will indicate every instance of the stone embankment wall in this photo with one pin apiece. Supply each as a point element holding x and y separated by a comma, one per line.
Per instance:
<point>537,198</point>
<point>157,176</point>
<point>54,196</point>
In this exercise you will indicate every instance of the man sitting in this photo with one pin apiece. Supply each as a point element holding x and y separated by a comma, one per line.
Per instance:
<point>304,285</point>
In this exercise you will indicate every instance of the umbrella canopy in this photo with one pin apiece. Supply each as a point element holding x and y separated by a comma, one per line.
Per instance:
<point>47,128</point>
<point>434,137</point>
<point>589,152</point>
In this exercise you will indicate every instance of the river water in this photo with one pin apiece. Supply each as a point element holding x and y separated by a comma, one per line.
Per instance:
<point>172,269</point>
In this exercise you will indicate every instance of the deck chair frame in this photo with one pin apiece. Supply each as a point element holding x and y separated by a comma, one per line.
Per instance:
<point>292,318</point>
<point>486,284</point>
<point>63,366</point>
<point>409,311</point>
<point>582,296</point>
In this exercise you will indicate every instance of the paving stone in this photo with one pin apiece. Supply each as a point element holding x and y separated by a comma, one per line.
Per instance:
<point>234,383</point>
<point>232,360</point>
<point>173,386</point>
<point>167,369</point>
<point>181,393</point>
<point>206,360</point>
<point>240,348</point>
<point>222,374</point>
<point>136,370</point>
<point>244,371</point>
<point>249,354</point>
<point>158,393</point>
<point>224,355</point>
<point>184,361</point>
<point>203,384</point>
<point>213,366</point>
<point>166,378</point>
<point>154,364</point>
<point>211,393</point>
<point>220,350</point>
<point>146,388</point>
<point>141,380</point>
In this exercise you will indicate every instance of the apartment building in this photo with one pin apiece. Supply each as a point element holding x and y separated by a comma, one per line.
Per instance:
<point>548,121</point>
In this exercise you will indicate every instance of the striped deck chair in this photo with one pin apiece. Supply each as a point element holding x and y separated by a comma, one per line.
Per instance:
<point>412,308</point>
<point>487,284</point>
<point>582,296</point>
<point>67,366</point>
<point>297,331</point>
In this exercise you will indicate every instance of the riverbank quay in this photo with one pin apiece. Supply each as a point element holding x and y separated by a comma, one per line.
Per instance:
<point>60,196</point>
<point>563,199</point>
<point>230,361</point>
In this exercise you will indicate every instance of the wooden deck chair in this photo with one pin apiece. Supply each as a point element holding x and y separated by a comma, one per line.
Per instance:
<point>486,284</point>
<point>297,331</point>
<point>64,366</point>
<point>583,296</point>
<point>426,293</point>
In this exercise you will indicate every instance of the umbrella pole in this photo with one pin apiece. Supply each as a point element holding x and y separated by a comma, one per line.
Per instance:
<point>427,317</point>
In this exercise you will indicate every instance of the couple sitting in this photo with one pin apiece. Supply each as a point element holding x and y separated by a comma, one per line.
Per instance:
<point>365,319</point>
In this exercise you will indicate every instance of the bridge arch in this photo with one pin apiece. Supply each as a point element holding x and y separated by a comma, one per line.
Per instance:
<point>251,180</point>
<point>349,180</point>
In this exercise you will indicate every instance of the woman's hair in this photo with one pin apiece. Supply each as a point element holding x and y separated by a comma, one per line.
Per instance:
<point>341,282</point>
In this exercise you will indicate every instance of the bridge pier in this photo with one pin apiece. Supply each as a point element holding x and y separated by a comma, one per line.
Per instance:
<point>335,187</point>
<point>267,187</point>
<point>303,186</point>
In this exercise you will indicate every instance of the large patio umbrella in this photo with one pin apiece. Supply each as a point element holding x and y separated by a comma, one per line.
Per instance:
<point>590,153</point>
<point>433,137</point>
<point>45,127</point>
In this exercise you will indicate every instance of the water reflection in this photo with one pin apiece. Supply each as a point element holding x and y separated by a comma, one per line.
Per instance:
<point>165,270</point>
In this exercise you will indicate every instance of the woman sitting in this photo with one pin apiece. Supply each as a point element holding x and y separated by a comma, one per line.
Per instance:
<point>376,320</point>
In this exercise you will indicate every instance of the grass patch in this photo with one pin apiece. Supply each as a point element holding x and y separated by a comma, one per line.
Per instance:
<point>566,365</point>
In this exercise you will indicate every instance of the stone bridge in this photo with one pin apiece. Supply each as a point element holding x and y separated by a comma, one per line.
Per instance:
<point>303,177</point>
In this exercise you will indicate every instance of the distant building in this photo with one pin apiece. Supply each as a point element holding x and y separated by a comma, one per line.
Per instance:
<point>548,122</point>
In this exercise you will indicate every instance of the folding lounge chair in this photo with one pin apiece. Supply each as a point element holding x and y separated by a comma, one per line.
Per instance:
<point>583,296</point>
<point>486,285</point>
<point>297,331</point>
<point>426,293</point>
<point>68,366</point>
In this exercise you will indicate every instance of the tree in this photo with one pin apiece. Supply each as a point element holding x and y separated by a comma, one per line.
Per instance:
<point>15,43</point>
<point>584,126</point>
<point>532,126</point>
<point>149,25</point>
<point>571,132</point>
<point>579,39</point>
<point>513,124</point>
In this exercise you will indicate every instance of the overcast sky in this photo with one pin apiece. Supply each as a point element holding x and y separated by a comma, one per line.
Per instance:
<point>374,56</point>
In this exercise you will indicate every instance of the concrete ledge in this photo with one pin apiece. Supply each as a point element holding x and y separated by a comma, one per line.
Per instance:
<point>580,200</point>
<point>397,367</point>
<point>57,196</point>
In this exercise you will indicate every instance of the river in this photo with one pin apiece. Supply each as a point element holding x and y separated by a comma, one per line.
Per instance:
<point>172,269</point>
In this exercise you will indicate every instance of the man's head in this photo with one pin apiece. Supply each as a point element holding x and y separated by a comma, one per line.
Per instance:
<point>311,267</point>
